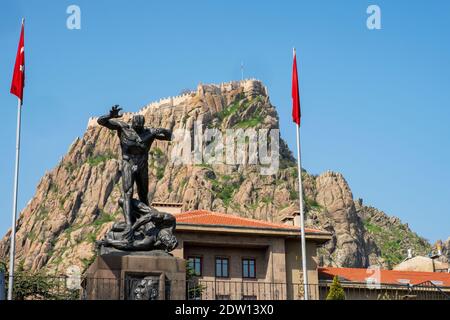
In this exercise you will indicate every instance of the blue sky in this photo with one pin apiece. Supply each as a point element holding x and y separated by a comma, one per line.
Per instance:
<point>374,103</point>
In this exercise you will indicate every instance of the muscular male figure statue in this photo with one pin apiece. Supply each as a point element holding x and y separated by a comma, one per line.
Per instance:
<point>135,142</point>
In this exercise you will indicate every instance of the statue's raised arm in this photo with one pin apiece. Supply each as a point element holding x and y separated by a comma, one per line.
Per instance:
<point>156,133</point>
<point>161,134</point>
<point>110,120</point>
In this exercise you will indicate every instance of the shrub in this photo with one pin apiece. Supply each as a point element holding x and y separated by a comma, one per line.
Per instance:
<point>228,111</point>
<point>102,218</point>
<point>70,167</point>
<point>249,123</point>
<point>99,159</point>
<point>336,290</point>
<point>38,286</point>
<point>194,288</point>
<point>160,173</point>
<point>2,266</point>
<point>312,204</point>
<point>224,190</point>
<point>293,195</point>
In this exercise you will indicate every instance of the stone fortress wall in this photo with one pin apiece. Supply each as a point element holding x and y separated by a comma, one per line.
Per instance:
<point>250,86</point>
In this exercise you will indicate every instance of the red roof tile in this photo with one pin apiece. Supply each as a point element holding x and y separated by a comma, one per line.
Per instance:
<point>204,217</point>
<point>441,279</point>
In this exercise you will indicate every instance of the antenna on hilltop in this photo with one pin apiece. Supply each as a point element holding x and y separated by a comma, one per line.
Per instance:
<point>242,70</point>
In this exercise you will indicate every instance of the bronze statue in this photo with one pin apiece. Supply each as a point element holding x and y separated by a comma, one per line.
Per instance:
<point>151,230</point>
<point>145,228</point>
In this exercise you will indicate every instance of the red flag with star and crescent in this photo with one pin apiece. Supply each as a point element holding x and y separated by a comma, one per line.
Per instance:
<point>296,114</point>
<point>18,80</point>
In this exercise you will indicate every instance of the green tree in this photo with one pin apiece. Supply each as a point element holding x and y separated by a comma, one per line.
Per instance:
<point>2,266</point>
<point>194,289</point>
<point>336,290</point>
<point>40,286</point>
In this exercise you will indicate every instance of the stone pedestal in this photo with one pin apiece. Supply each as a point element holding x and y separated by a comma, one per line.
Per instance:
<point>135,276</point>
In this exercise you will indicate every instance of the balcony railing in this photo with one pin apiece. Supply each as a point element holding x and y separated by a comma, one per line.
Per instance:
<point>247,290</point>
<point>64,288</point>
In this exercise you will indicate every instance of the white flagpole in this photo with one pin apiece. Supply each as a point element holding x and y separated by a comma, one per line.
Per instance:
<point>12,250</point>
<point>302,215</point>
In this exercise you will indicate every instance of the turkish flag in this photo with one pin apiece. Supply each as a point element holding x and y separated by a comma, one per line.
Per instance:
<point>18,80</point>
<point>296,114</point>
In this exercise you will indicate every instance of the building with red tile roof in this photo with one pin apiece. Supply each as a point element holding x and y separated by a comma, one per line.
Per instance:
<point>392,277</point>
<point>209,219</point>
<point>241,258</point>
<point>368,283</point>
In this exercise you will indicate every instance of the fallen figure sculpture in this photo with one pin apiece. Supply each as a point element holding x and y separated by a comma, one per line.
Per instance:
<point>150,230</point>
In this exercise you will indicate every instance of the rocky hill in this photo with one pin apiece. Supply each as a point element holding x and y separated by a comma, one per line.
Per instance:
<point>392,237</point>
<point>76,202</point>
<point>445,250</point>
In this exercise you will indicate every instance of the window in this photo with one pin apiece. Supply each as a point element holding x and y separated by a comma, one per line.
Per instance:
<point>222,267</point>
<point>195,264</point>
<point>248,268</point>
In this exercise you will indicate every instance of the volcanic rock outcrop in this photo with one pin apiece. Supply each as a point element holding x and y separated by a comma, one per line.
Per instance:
<point>76,203</point>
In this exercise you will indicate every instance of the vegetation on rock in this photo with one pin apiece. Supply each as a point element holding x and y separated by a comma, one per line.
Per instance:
<point>392,237</point>
<point>100,158</point>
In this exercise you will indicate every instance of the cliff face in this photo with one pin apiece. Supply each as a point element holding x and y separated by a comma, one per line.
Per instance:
<point>76,202</point>
<point>392,236</point>
<point>445,250</point>
<point>351,245</point>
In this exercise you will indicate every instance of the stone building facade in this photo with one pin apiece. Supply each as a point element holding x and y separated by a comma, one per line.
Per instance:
<point>239,258</point>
